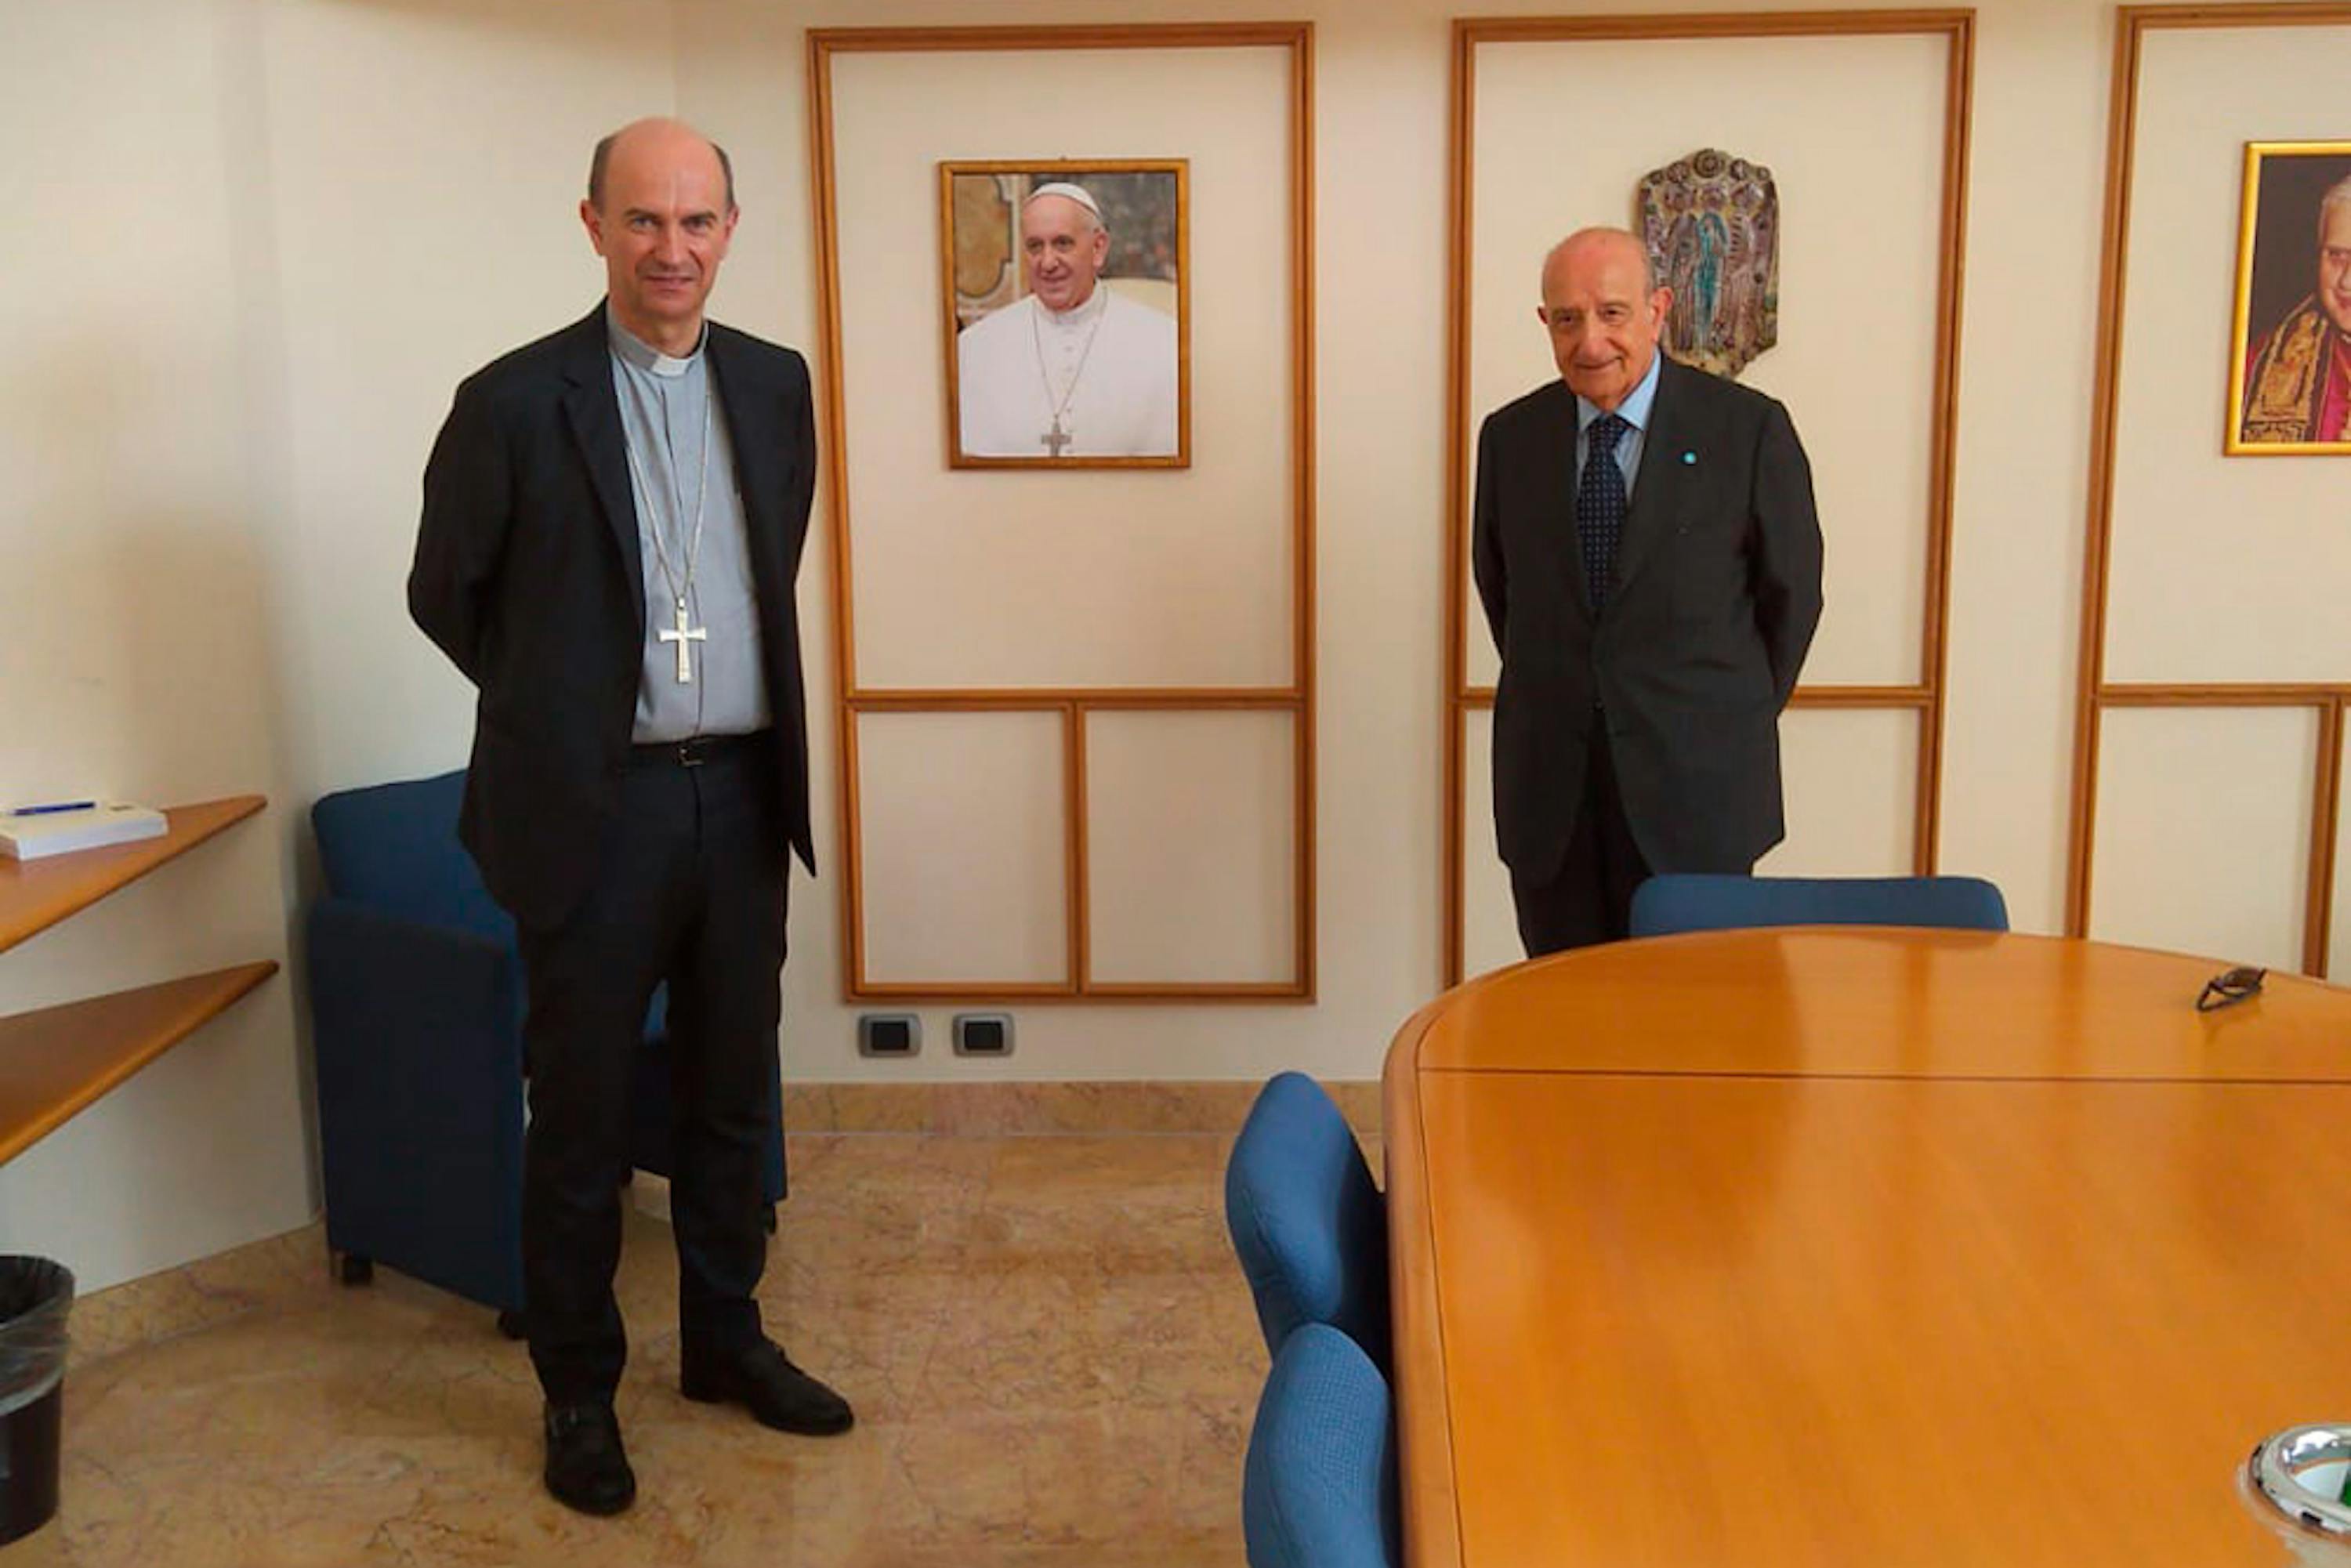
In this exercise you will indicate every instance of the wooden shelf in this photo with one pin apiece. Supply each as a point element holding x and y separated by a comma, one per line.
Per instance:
<point>36,894</point>
<point>56,1061</point>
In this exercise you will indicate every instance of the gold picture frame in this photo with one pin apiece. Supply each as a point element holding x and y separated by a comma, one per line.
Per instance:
<point>2290,334</point>
<point>1004,374</point>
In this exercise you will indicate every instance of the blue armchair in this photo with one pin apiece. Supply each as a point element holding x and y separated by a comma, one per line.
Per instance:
<point>1307,1223</point>
<point>416,1004</point>
<point>1319,1485</point>
<point>1689,901</point>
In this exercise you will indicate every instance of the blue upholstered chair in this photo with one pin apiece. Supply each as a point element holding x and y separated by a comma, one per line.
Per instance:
<point>1319,1486</point>
<point>1308,1226</point>
<point>1664,904</point>
<point>416,1003</point>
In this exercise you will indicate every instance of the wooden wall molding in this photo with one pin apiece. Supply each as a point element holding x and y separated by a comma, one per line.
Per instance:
<point>2093,694</point>
<point>1927,698</point>
<point>1296,698</point>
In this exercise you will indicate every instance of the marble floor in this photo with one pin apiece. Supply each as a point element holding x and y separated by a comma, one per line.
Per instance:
<point>1051,1350</point>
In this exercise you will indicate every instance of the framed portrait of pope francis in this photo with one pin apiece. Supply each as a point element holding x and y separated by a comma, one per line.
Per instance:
<point>1066,313</point>
<point>2290,354</point>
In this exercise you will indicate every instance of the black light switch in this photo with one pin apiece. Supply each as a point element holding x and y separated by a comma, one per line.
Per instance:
<point>889,1034</point>
<point>983,1034</point>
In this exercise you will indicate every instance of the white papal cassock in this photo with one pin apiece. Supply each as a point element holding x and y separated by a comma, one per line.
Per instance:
<point>1103,374</point>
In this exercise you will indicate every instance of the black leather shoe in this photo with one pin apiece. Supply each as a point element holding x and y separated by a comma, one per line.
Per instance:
<point>586,1469</point>
<point>764,1382</point>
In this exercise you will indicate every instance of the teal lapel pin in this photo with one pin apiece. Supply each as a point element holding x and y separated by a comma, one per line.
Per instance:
<point>1689,459</point>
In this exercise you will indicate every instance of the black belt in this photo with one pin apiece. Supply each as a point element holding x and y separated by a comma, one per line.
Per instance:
<point>696,750</point>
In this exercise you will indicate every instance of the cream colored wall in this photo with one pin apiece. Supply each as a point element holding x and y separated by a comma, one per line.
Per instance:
<point>2221,565</point>
<point>989,578</point>
<point>2026,353</point>
<point>1382,82</point>
<point>2035,192</point>
<point>260,243</point>
<point>2256,614</point>
<point>144,646</point>
<point>287,226</point>
<point>1378,375</point>
<point>426,162</point>
<point>1855,212</point>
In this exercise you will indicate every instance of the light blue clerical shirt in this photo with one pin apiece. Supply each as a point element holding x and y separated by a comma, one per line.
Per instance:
<point>662,403</point>
<point>1635,411</point>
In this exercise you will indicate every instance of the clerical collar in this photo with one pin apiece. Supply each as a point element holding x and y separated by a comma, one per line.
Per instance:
<point>1078,315</point>
<point>636,351</point>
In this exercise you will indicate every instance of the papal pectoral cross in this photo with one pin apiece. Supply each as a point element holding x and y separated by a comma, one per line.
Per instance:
<point>1056,440</point>
<point>684,637</point>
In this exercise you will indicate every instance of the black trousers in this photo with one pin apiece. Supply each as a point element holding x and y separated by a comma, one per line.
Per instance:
<point>1589,898</point>
<point>691,893</point>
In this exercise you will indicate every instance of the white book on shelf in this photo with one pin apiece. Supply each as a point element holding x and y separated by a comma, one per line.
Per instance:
<point>31,833</point>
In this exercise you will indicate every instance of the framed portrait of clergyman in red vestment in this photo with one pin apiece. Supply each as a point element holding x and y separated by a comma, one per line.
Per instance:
<point>1066,304</point>
<point>2290,354</point>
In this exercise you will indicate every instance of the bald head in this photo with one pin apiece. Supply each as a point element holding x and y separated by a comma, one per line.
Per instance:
<point>1603,309</point>
<point>660,211</point>
<point>1588,247</point>
<point>640,129</point>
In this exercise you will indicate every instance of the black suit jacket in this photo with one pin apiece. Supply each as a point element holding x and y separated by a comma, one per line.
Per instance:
<point>1717,590</point>
<point>529,575</point>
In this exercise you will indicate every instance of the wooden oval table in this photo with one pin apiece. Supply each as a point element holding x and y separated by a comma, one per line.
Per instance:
<point>1845,1246</point>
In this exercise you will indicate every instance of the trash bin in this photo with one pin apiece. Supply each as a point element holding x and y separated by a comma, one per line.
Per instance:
<point>35,1296</point>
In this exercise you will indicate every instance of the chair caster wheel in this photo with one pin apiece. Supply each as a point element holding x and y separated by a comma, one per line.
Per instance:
<point>510,1324</point>
<point>353,1269</point>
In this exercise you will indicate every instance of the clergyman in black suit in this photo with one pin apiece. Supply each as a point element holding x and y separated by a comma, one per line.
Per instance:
<point>1646,548</point>
<point>613,517</point>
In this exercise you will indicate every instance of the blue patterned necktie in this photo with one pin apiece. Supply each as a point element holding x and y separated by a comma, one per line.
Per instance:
<point>1600,506</point>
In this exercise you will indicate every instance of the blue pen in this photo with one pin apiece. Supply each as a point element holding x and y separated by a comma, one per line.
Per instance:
<point>52,809</point>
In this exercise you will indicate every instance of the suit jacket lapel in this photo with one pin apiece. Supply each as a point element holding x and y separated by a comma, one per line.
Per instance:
<point>594,411</point>
<point>1662,479</point>
<point>760,459</point>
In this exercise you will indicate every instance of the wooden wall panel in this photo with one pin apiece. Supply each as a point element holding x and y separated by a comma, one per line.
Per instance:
<point>963,813</point>
<point>1096,624</point>
<point>2226,792</point>
<point>2215,546</point>
<point>1189,879</point>
<point>1901,507</point>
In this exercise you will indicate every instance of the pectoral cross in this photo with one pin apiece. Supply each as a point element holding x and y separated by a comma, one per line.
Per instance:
<point>1056,440</point>
<point>685,637</point>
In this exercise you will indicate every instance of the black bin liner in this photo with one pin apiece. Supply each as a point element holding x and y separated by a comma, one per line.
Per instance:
<point>36,1295</point>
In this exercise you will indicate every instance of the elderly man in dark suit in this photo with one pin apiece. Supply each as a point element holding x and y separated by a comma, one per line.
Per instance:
<point>614,519</point>
<point>1646,548</point>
